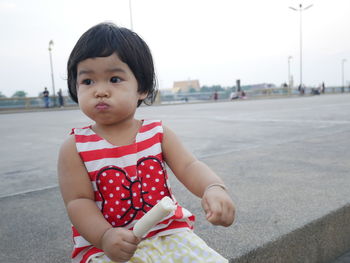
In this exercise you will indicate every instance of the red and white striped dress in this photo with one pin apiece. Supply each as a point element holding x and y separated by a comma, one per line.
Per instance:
<point>127,181</point>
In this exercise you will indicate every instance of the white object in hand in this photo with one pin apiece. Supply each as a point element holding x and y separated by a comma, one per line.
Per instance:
<point>154,216</point>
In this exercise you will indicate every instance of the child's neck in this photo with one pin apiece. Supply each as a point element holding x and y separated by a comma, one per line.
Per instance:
<point>118,134</point>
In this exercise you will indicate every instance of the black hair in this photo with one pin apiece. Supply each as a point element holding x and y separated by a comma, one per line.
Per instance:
<point>104,39</point>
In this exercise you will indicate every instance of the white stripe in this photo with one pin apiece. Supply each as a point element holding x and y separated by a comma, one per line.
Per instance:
<point>86,131</point>
<point>90,146</point>
<point>99,204</point>
<point>79,241</point>
<point>142,136</point>
<point>94,186</point>
<point>123,161</point>
<point>146,122</point>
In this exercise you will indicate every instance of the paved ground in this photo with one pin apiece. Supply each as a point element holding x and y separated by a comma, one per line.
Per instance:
<point>286,162</point>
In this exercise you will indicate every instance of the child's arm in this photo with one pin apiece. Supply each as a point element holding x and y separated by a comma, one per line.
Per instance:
<point>118,244</point>
<point>197,176</point>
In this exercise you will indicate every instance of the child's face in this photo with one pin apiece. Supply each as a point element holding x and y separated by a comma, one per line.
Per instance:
<point>107,89</point>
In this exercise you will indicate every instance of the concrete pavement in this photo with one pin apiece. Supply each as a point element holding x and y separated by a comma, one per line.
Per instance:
<point>286,162</point>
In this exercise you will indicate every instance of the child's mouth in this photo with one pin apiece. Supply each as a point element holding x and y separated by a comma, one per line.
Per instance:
<point>102,106</point>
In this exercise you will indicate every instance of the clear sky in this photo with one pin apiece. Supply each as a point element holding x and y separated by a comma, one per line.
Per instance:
<point>216,42</point>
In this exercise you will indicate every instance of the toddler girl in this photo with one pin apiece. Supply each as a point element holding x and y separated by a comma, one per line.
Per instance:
<point>113,171</point>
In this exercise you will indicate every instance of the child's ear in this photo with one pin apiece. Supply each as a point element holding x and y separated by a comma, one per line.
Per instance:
<point>142,96</point>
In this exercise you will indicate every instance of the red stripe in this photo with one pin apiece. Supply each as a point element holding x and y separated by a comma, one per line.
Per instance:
<point>150,126</point>
<point>89,253</point>
<point>75,232</point>
<point>87,138</point>
<point>78,250</point>
<point>173,225</point>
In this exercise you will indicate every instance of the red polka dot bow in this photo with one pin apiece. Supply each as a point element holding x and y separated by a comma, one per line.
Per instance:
<point>124,197</point>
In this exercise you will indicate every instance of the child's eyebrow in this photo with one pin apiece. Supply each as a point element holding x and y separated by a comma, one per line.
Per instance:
<point>83,71</point>
<point>111,70</point>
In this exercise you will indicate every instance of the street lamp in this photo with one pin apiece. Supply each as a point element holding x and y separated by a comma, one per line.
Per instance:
<point>52,78</point>
<point>131,25</point>
<point>300,9</point>
<point>342,74</point>
<point>289,78</point>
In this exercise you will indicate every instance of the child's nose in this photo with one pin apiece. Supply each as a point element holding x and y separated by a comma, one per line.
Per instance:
<point>101,91</point>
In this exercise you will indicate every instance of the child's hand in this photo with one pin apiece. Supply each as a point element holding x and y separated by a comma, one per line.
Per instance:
<point>218,206</point>
<point>119,244</point>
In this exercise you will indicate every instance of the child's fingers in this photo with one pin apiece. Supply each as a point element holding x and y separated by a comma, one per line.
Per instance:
<point>215,213</point>
<point>206,208</point>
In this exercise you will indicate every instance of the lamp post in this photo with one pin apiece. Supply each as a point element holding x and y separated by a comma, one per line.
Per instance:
<point>342,75</point>
<point>130,9</point>
<point>52,78</point>
<point>301,9</point>
<point>289,78</point>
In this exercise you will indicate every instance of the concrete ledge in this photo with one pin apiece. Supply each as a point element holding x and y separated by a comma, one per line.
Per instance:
<point>321,241</point>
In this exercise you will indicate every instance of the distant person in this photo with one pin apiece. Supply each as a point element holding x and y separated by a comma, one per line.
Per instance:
<point>46,98</point>
<point>112,172</point>
<point>243,95</point>
<point>216,95</point>
<point>323,88</point>
<point>60,98</point>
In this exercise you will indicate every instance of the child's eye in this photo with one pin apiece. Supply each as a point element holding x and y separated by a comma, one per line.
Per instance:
<point>87,82</point>
<point>115,80</point>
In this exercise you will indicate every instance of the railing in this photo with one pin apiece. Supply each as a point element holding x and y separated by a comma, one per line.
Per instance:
<point>169,98</point>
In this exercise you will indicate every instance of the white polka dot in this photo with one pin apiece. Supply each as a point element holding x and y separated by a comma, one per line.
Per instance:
<point>106,216</point>
<point>153,188</point>
<point>122,195</point>
<point>134,194</point>
<point>144,184</point>
<point>117,174</point>
<point>151,167</point>
<point>111,209</point>
<point>131,215</point>
<point>117,188</point>
<point>139,186</point>
<point>123,209</point>
<point>110,181</point>
<point>99,181</point>
<point>157,180</point>
<point>118,216</point>
<point>117,202</point>
<point>140,172</point>
<point>113,223</point>
<point>105,188</point>
<point>106,202</point>
<point>123,181</point>
<point>104,174</point>
<point>150,197</point>
<point>140,199</point>
<point>142,163</point>
<point>148,176</point>
<point>111,195</point>
<point>162,193</point>
<point>154,160</point>
<point>129,202</point>
<point>160,172</point>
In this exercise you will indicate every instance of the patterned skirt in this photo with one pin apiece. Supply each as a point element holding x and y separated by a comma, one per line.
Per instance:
<point>181,247</point>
